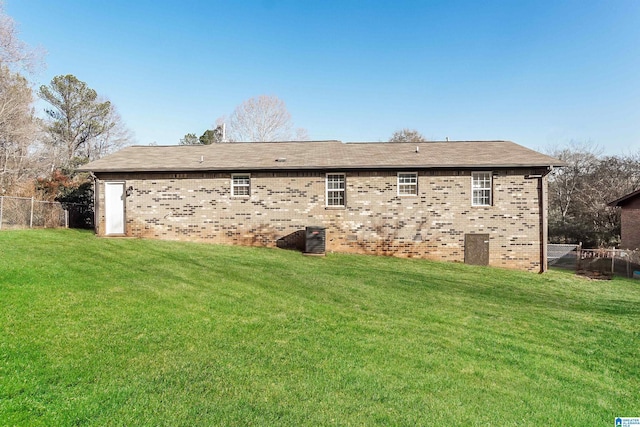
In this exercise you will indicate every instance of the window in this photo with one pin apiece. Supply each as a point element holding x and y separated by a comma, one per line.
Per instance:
<point>335,189</point>
<point>407,184</point>
<point>481,188</point>
<point>240,185</point>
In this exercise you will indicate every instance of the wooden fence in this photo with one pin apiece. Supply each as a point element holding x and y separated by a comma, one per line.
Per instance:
<point>603,262</point>
<point>607,262</point>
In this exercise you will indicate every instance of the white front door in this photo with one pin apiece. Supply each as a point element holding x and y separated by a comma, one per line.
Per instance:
<point>114,207</point>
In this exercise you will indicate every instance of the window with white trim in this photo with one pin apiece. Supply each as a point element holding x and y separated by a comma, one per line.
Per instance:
<point>335,188</point>
<point>407,184</point>
<point>481,188</point>
<point>240,185</point>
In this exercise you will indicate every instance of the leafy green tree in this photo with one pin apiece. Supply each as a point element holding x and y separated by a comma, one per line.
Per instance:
<point>189,139</point>
<point>211,136</point>
<point>80,127</point>
<point>80,124</point>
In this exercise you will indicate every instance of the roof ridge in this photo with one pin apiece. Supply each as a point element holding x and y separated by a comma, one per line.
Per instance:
<point>429,142</point>
<point>235,143</point>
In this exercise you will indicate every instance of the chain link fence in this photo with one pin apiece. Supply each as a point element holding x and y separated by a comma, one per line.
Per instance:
<point>562,255</point>
<point>26,212</point>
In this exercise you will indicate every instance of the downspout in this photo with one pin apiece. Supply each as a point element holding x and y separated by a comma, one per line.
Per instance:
<point>544,221</point>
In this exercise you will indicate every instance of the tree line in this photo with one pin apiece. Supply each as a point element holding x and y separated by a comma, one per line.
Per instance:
<point>579,194</point>
<point>265,118</point>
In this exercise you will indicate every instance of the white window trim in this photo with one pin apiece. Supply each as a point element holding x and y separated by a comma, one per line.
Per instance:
<point>326,190</point>
<point>234,186</point>
<point>415,193</point>
<point>473,175</point>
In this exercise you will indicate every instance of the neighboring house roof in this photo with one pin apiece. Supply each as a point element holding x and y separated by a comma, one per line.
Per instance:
<point>624,199</point>
<point>326,155</point>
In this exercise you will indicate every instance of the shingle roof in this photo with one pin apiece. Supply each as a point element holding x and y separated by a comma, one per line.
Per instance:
<point>624,199</point>
<point>326,155</point>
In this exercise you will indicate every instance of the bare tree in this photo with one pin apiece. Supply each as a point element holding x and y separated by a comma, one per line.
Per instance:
<point>14,53</point>
<point>407,135</point>
<point>18,124</point>
<point>261,119</point>
<point>115,136</point>
<point>579,194</point>
<point>17,128</point>
<point>301,134</point>
<point>567,183</point>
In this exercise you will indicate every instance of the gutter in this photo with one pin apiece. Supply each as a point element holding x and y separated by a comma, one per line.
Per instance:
<point>320,168</point>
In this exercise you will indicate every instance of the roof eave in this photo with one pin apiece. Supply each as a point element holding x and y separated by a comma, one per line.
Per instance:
<point>326,167</point>
<point>621,200</point>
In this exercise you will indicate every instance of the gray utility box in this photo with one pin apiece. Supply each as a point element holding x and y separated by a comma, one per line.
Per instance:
<point>314,242</point>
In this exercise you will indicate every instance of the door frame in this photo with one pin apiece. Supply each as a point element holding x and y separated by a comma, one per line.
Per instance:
<point>108,211</point>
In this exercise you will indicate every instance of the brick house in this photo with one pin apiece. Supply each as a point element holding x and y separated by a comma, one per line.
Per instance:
<point>629,219</point>
<point>480,202</point>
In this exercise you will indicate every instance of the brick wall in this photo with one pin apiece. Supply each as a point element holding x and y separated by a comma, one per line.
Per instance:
<point>630,221</point>
<point>375,220</point>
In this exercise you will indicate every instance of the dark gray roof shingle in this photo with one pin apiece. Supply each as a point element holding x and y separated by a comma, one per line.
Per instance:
<point>326,155</point>
<point>624,199</point>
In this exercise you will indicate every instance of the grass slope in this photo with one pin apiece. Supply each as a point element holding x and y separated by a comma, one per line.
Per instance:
<point>138,332</point>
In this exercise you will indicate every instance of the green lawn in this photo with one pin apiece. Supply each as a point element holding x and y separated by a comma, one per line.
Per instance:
<point>138,332</point>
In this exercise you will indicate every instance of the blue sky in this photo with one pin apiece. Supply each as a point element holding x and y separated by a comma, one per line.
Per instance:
<point>540,73</point>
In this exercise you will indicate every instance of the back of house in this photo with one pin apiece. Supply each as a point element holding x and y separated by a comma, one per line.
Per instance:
<point>480,202</point>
